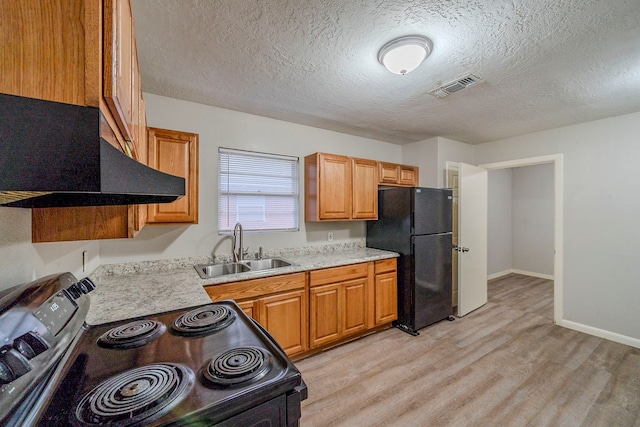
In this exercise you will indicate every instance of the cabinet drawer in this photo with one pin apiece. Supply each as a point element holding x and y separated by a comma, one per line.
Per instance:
<point>337,274</point>
<point>385,265</point>
<point>255,287</point>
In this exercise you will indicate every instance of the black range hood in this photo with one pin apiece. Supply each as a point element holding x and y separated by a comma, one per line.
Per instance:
<point>52,155</point>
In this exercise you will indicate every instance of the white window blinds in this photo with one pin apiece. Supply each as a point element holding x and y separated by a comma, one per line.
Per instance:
<point>258,190</point>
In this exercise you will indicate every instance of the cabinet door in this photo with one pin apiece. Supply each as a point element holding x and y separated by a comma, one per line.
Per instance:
<point>50,50</point>
<point>248,307</point>
<point>408,175</point>
<point>386,298</point>
<point>354,306</point>
<point>325,317</point>
<point>395,174</point>
<point>284,316</point>
<point>364,189</point>
<point>118,66</point>
<point>334,189</point>
<point>387,173</point>
<point>175,153</point>
<point>142,150</point>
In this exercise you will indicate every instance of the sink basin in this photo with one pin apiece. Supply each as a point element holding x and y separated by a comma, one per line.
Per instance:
<point>207,271</point>
<point>265,264</point>
<point>215,270</point>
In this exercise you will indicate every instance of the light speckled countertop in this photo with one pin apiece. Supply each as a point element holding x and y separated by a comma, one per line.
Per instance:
<point>130,290</point>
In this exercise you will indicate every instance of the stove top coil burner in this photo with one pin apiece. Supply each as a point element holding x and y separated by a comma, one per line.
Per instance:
<point>133,334</point>
<point>238,365</point>
<point>204,320</point>
<point>135,397</point>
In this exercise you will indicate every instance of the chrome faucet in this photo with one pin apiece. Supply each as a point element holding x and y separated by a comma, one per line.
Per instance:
<point>238,254</point>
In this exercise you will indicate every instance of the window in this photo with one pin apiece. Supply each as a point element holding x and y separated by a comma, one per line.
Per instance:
<point>258,190</point>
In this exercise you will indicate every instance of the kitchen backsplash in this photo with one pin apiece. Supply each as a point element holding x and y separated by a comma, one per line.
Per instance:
<point>170,264</point>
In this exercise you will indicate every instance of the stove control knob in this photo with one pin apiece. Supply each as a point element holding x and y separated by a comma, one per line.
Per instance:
<point>74,291</point>
<point>86,285</point>
<point>30,345</point>
<point>12,365</point>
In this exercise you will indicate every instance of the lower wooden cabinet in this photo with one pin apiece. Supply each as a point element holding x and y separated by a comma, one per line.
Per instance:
<point>248,307</point>
<point>285,317</point>
<point>309,311</point>
<point>324,309</point>
<point>279,303</point>
<point>336,311</point>
<point>338,303</point>
<point>385,292</point>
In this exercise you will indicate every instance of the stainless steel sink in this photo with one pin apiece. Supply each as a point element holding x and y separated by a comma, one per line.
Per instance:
<point>265,264</point>
<point>207,271</point>
<point>215,270</point>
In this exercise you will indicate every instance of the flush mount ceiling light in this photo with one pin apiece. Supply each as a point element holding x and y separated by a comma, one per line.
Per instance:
<point>405,54</point>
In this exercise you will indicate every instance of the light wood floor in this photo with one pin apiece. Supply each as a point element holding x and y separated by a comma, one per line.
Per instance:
<point>506,364</point>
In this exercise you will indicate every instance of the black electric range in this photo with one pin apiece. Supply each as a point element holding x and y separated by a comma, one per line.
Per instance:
<point>204,365</point>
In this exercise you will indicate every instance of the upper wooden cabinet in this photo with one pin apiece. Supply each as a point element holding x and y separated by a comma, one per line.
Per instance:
<point>175,153</point>
<point>340,188</point>
<point>84,53</point>
<point>63,51</point>
<point>120,77</point>
<point>77,52</point>
<point>364,189</point>
<point>396,174</point>
<point>327,187</point>
<point>51,50</point>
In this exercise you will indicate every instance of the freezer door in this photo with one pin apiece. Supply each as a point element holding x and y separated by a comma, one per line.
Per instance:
<point>392,230</point>
<point>432,210</point>
<point>432,257</point>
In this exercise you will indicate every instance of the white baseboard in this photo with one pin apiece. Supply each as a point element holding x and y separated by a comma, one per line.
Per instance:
<point>499,274</point>
<point>534,274</point>
<point>523,272</point>
<point>611,336</point>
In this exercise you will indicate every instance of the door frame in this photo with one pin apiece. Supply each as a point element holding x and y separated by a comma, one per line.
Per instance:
<point>558,270</point>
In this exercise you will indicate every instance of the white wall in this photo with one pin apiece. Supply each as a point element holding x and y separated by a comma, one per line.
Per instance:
<point>601,211</point>
<point>21,261</point>
<point>533,217</point>
<point>499,235</point>
<point>423,154</point>
<point>225,128</point>
<point>452,151</point>
<point>431,156</point>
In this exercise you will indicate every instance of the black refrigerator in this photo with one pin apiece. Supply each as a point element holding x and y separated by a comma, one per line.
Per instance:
<point>416,223</point>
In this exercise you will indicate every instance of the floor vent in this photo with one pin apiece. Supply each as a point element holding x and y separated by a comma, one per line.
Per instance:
<point>455,86</point>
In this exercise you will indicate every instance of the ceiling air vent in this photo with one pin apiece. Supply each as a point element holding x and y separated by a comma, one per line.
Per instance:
<point>455,86</point>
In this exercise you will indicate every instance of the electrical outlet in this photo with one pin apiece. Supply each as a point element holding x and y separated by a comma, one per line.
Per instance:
<point>330,236</point>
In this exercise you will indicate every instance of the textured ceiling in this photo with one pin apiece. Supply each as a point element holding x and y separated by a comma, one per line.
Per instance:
<point>544,63</point>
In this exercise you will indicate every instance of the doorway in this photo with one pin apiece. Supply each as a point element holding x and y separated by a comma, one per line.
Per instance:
<point>557,161</point>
